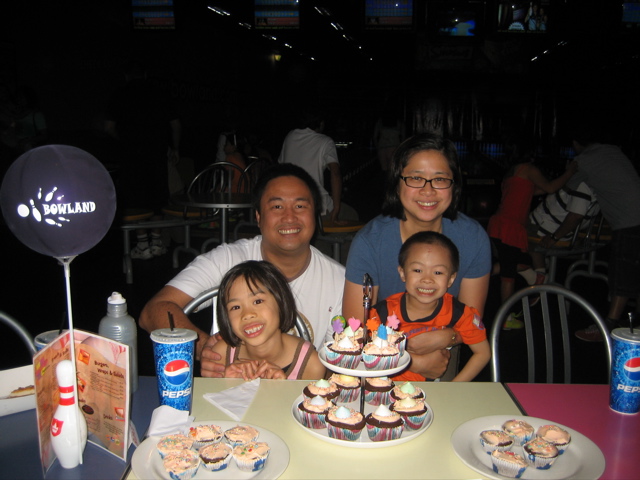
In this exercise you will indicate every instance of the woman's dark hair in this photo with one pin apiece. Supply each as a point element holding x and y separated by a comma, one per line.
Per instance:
<point>286,170</point>
<point>255,273</point>
<point>430,238</point>
<point>392,206</point>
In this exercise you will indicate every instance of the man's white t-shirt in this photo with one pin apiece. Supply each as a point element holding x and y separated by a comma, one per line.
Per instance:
<point>318,291</point>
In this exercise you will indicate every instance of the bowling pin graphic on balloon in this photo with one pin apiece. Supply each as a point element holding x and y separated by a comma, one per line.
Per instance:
<point>68,425</point>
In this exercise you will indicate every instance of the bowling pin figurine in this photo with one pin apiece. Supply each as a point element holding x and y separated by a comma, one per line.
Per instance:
<point>68,425</point>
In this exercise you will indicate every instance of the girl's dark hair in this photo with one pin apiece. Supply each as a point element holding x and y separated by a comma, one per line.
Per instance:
<point>255,273</point>
<point>286,170</point>
<point>392,206</point>
<point>430,238</point>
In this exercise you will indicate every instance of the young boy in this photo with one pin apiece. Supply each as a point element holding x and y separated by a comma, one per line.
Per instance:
<point>428,262</point>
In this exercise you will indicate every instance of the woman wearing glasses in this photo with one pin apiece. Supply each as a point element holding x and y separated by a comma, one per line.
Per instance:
<point>423,190</point>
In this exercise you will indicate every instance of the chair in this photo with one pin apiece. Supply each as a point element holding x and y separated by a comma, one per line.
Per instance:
<point>251,175</point>
<point>20,330</point>
<point>302,325</point>
<point>550,323</point>
<point>215,178</point>
<point>337,235</point>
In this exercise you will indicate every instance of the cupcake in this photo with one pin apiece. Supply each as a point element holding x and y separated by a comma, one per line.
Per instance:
<point>313,412</point>
<point>204,435</point>
<point>508,463</point>
<point>181,465</point>
<point>383,424</point>
<point>412,410</point>
<point>251,457</point>
<point>322,388</point>
<point>173,443</point>
<point>346,353</point>
<point>241,434</point>
<point>377,391</point>
<point>394,337</point>
<point>348,387</point>
<point>215,456</point>
<point>556,436</point>
<point>357,334</point>
<point>495,440</point>
<point>345,423</point>
<point>540,454</point>
<point>406,390</point>
<point>379,354</point>
<point>519,430</point>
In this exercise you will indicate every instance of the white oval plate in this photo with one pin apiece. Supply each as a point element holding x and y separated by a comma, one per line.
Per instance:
<point>362,371</point>
<point>146,461</point>
<point>363,441</point>
<point>583,458</point>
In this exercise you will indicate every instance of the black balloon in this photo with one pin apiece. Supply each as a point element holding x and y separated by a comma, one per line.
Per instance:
<point>58,200</point>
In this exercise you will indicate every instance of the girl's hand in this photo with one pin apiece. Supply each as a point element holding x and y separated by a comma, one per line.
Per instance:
<point>270,371</point>
<point>245,369</point>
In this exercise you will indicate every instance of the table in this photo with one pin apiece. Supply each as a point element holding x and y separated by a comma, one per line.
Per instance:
<point>585,408</point>
<point>222,201</point>
<point>338,234</point>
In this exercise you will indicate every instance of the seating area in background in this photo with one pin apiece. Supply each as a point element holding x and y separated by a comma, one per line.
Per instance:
<point>547,341</point>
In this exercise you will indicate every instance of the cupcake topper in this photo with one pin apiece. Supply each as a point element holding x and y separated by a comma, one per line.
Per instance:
<point>382,332</point>
<point>337,325</point>
<point>373,323</point>
<point>354,323</point>
<point>392,321</point>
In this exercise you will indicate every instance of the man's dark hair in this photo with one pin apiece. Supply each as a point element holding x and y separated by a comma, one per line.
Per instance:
<point>286,170</point>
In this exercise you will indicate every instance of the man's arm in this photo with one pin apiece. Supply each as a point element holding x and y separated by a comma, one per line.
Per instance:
<point>336,189</point>
<point>569,224</point>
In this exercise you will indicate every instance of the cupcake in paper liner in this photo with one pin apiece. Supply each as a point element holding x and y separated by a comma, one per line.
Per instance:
<point>508,463</point>
<point>204,435</point>
<point>540,454</point>
<point>412,410</point>
<point>241,434</point>
<point>348,387</point>
<point>379,354</point>
<point>252,456</point>
<point>173,444</point>
<point>377,390</point>
<point>384,425</point>
<point>346,353</point>
<point>323,388</point>
<point>519,430</point>
<point>181,465</point>
<point>313,412</point>
<point>555,435</point>
<point>347,328</point>
<point>406,390</point>
<point>345,423</point>
<point>495,440</point>
<point>216,456</point>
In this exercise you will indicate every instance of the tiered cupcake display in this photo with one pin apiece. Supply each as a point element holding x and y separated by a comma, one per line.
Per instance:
<point>360,405</point>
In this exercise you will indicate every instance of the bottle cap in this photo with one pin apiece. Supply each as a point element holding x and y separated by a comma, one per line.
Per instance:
<point>116,299</point>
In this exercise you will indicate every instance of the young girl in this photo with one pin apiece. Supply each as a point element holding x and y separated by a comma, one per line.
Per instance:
<point>255,310</point>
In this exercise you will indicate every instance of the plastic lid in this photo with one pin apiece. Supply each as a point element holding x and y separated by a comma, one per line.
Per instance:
<point>116,299</point>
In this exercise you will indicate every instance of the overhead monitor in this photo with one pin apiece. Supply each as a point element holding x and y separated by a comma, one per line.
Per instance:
<point>456,19</point>
<point>388,14</point>
<point>520,17</point>
<point>153,15</point>
<point>277,14</point>
<point>631,16</point>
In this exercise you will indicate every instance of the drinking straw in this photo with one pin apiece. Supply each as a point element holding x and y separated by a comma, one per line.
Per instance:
<point>631,315</point>
<point>171,324</point>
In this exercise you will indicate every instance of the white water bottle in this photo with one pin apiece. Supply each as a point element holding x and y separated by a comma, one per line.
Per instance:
<point>68,426</point>
<point>118,325</point>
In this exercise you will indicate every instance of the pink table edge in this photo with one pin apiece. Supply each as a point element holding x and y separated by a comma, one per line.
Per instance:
<point>585,408</point>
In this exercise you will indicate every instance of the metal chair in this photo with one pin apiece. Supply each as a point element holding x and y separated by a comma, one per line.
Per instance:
<point>251,175</point>
<point>302,324</point>
<point>562,297</point>
<point>20,330</point>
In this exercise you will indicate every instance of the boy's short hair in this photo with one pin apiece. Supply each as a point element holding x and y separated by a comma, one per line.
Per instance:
<point>256,272</point>
<point>430,238</point>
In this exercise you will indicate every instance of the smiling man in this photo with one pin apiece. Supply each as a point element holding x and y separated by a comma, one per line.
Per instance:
<point>287,203</point>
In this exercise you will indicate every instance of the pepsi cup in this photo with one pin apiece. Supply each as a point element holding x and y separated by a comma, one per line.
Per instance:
<point>173,352</point>
<point>625,371</point>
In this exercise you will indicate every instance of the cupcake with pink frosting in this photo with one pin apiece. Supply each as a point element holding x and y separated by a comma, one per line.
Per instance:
<point>313,412</point>
<point>322,388</point>
<point>555,435</point>
<point>394,337</point>
<point>412,410</point>
<point>346,353</point>
<point>377,390</point>
<point>384,424</point>
<point>379,354</point>
<point>345,423</point>
<point>348,387</point>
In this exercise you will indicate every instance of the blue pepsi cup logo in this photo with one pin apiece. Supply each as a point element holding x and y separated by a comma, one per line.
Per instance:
<point>631,369</point>
<point>177,372</point>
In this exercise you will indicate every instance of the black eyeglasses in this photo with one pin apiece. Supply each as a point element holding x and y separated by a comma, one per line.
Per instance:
<point>439,183</point>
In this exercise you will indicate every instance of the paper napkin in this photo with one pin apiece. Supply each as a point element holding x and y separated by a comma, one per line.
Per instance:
<point>166,420</point>
<point>234,401</point>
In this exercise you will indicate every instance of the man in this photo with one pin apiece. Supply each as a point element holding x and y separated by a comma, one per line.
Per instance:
<point>616,184</point>
<point>286,201</point>
<point>555,219</point>
<point>310,149</point>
